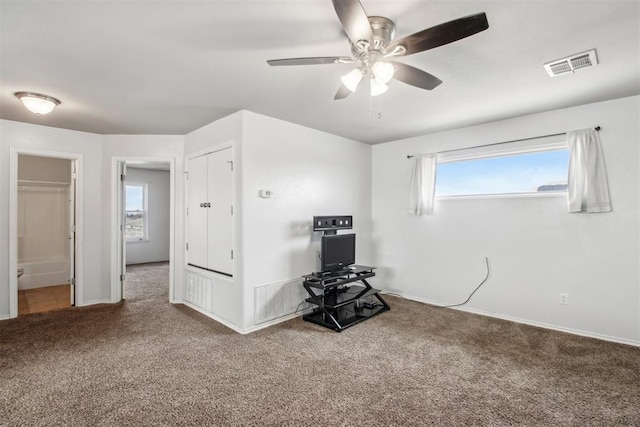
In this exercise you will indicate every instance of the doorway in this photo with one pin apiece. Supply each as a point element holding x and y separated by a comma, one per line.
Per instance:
<point>144,219</point>
<point>43,232</point>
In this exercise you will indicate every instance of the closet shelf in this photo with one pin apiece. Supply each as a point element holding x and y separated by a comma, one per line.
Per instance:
<point>25,182</point>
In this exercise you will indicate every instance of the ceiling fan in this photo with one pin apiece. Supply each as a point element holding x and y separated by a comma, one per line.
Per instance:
<point>373,49</point>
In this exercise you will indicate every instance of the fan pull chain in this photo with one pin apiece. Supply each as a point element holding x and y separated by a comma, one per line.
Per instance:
<point>379,115</point>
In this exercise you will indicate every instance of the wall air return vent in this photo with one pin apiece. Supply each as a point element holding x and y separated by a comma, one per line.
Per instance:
<point>571,63</point>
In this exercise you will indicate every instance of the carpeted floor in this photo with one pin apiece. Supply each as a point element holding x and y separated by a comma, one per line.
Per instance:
<point>146,362</point>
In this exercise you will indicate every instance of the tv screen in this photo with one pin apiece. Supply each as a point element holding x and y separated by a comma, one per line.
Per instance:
<point>338,251</point>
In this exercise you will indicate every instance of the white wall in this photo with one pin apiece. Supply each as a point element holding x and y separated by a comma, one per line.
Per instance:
<point>98,154</point>
<point>24,136</point>
<point>227,293</point>
<point>310,173</point>
<point>156,247</point>
<point>536,249</point>
<point>44,169</point>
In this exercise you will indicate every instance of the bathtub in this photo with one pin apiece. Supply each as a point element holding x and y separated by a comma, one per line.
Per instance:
<point>49,272</point>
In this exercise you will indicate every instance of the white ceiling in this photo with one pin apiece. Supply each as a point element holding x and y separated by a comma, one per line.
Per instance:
<point>169,67</point>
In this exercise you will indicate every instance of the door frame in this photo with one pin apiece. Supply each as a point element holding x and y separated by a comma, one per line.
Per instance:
<point>118,242</point>
<point>13,222</point>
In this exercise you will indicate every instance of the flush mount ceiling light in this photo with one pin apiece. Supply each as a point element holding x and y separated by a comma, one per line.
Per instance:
<point>37,103</point>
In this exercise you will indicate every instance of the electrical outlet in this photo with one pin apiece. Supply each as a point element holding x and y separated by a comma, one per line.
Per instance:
<point>564,298</point>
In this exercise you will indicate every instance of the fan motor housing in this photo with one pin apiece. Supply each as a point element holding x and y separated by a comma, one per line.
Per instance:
<point>383,30</point>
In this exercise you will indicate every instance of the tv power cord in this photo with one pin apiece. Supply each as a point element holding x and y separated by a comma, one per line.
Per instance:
<point>486,260</point>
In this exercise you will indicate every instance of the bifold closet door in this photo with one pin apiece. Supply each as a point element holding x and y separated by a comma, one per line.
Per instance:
<point>197,212</point>
<point>220,249</point>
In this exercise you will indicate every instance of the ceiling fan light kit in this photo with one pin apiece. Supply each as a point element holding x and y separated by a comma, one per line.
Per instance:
<point>352,79</point>
<point>383,72</point>
<point>373,49</point>
<point>378,88</point>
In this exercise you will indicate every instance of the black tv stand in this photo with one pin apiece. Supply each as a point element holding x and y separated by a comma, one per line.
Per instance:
<point>340,301</point>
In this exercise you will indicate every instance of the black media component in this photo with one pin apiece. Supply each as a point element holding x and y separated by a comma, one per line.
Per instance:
<point>339,301</point>
<point>329,224</point>
<point>337,251</point>
<point>343,298</point>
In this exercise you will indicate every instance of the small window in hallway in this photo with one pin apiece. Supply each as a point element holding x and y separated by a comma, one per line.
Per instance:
<point>136,212</point>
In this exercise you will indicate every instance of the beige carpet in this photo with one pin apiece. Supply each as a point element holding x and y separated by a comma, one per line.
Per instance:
<point>146,362</point>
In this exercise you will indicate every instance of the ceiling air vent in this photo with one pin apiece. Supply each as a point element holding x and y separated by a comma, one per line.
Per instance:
<point>572,63</point>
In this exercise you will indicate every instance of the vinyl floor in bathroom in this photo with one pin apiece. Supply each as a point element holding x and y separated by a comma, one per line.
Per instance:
<point>43,299</point>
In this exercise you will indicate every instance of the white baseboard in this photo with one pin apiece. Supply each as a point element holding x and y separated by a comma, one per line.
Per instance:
<point>84,304</point>
<point>97,301</point>
<point>213,316</point>
<point>276,321</point>
<point>241,330</point>
<point>524,321</point>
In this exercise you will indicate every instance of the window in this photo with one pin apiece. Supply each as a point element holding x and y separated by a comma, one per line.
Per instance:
<point>538,171</point>
<point>136,212</point>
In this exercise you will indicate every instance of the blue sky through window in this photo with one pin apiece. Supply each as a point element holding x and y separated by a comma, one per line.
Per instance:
<point>134,197</point>
<point>520,173</point>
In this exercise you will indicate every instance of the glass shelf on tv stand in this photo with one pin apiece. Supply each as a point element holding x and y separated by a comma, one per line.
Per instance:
<point>334,278</point>
<point>337,297</point>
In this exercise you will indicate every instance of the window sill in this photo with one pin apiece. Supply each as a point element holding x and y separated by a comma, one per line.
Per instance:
<point>546,194</point>
<point>137,240</point>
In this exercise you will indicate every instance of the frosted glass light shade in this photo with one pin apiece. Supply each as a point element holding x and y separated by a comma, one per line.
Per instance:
<point>378,88</point>
<point>37,103</point>
<point>383,72</point>
<point>352,79</point>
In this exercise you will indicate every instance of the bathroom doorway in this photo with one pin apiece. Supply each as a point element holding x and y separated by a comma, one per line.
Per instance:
<point>45,232</point>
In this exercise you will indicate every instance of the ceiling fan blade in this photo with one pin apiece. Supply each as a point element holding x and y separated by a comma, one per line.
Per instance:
<point>342,93</point>
<point>414,76</point>
<point>442,34</point>
<point>354,20</point>
<point>311,60</point>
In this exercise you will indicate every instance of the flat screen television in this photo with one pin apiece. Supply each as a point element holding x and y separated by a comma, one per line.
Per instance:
<point>337,251</point>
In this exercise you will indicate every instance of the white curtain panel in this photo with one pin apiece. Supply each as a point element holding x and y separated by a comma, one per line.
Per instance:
<point>423,184</point>
<point>588,189</point>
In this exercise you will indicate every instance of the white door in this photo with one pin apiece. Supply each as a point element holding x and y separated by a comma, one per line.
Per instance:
<point>197,212</point>
<point>72,233</point>
<point>220,211</point>
<point>122,226</point>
